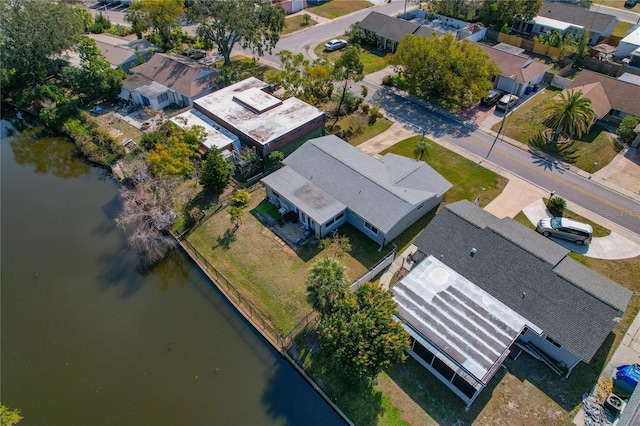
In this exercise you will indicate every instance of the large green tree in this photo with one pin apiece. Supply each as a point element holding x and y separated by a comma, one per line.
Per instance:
<point>31,34</point>
<point>326,283</point>
<point>94,78</point>
<point>451,72</point>
<point>508,11</point>
<point>216,172</point>
<point>253,24</point>
<point>348,67</point>
<point>571,114</point>
<point>360,333</point>
<point>310,81</point>
<point>160,15</point>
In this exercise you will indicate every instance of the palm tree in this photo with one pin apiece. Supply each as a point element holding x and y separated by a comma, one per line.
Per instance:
<point>421,148</point>
<point>571,114</point>
<point>326,283</point>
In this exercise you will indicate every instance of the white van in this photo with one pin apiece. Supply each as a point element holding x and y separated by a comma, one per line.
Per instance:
<point>568,229</point>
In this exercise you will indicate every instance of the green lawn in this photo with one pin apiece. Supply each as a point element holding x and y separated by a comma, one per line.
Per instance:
<point>598,146</point>
<point>469,179</point>
<point>266,207</point>
<point>373,59</point>
<point>245,67</point>
<point>295,23</point>
<point>336,8</point>
<point>622,28</point>
<point>363,131</point>
<point>270,275</point>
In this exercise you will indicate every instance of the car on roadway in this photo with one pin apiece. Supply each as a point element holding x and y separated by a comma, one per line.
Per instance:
<point>507,102</point>
<point>335,44</point>
<point>492,98</point>
<point>579,233</point>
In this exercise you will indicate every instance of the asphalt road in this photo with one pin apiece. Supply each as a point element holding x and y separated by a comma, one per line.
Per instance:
<point>306,40</point>
<point>592,196</point>
<point>622,14</point>
<point>596,198</point>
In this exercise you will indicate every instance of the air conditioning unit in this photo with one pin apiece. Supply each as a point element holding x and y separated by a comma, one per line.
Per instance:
<point>614,404</point>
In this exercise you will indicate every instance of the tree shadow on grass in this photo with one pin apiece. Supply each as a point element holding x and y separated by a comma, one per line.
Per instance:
<point>564,152</point>
<point>435,399</point>
<point>360,401</point>
<point>566,393</point>
<point>224,241</point>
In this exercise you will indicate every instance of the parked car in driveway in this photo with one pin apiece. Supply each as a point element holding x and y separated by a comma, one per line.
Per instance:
<point>492,98</point>
<point>507,102</point>
<point>335,44</point>
<point>195,53</point>
<point>567,229</point>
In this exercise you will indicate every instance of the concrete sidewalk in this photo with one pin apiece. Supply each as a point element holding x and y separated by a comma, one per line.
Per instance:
<point>627,353</point>
<point>621,175</point>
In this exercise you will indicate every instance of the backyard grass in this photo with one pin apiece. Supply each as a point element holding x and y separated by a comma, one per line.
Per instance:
<point>590,153</point>
<point>295,23</point>
<point>336,8</point>
<point>246,67</point>
<point>622,28</point>
<point>266,207</point>
<point>469,179</point>
<point>373,59</point>
<point>270,275</point>
<point>363,131</point>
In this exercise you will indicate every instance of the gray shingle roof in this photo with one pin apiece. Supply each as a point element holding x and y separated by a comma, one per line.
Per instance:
<point>387,27</point>
<point>574,305</point>
<point>380,191</point>
<point>576,15</point>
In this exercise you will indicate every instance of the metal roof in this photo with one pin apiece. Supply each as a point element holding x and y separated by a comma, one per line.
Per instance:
<point>574,305</point>
<point>468,324</point>
<point>216,136</point>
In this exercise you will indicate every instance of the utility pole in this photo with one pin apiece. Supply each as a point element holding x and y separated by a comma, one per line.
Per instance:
<point>506,111</point>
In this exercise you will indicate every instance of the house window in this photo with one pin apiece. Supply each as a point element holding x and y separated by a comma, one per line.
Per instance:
<point>553,342</point>
<point>163,98</point>
<point>370,227</point>
<point>340,216</point>
<point>619,114</point>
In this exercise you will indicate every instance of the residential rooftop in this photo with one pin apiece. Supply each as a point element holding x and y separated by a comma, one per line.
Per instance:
<point>247,107</point>
<point>529,273</point>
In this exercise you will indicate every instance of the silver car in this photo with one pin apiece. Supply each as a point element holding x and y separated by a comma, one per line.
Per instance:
<point>567,229</point>
<point>507,102</point>
<point>335,44</point>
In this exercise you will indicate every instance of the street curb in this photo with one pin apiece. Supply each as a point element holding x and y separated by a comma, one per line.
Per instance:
<point>569,168</point>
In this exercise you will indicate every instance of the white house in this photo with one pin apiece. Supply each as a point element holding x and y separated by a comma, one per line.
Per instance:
<point>328,182</point>
<point>168,79</point>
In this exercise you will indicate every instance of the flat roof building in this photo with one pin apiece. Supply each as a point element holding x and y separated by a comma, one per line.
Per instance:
<point>258,118</point>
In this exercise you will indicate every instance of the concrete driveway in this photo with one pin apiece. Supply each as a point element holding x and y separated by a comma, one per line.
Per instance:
<point>612,247</point>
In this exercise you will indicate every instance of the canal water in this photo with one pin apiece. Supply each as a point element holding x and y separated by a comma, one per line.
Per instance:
<point>89,340</point>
